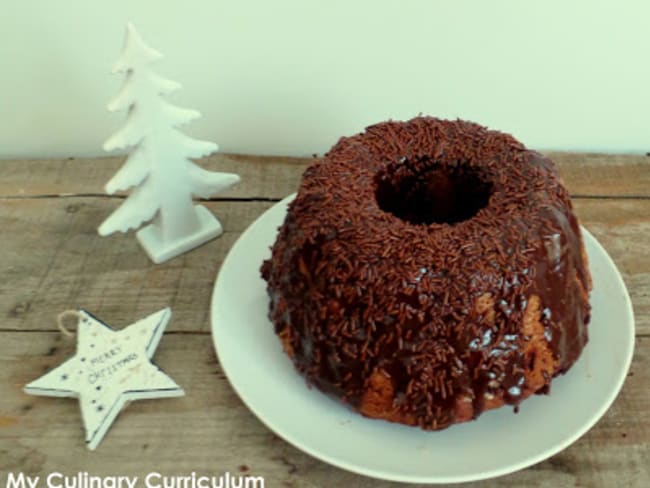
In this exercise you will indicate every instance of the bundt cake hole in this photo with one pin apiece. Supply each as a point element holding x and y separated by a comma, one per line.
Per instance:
<point>422,192</point>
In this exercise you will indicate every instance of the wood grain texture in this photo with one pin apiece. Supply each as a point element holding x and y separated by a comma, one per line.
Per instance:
<point>55,260</point>
<point>261,177</point>
<point>598,175</point>
<point>40,435</point>
<point>276,176</point>
<point>52,259</point>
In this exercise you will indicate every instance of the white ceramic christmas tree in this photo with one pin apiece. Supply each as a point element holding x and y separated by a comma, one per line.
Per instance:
<point>159,166</point>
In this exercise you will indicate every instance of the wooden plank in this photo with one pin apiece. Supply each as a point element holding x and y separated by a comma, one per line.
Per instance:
<point>213,432</point>
<point>623,228</point>
<point>587,174</point>
<point>53,260</point>
<point>277,176</point>
<point>261,176</point>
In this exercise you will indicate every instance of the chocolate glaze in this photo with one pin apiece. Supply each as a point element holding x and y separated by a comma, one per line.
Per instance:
<point>394,236</point>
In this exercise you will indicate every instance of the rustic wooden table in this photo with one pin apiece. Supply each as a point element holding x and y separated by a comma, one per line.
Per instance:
<point>52,259</point>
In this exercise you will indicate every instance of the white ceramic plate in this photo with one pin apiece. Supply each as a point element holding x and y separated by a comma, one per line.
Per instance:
<point>499,442</point>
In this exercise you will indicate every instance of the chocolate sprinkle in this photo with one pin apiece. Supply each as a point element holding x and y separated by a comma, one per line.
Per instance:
<point>414,250</point>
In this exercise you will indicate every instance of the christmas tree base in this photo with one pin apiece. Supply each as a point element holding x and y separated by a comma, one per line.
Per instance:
<point>159,251</point>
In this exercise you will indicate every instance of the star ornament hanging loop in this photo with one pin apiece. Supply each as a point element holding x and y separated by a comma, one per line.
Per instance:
<point>110,369</point>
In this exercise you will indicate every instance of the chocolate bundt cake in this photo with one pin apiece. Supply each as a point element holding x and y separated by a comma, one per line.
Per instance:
<point>430,270</point>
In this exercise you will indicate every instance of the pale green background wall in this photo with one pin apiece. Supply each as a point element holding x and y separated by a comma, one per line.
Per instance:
<point>289,77</point>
